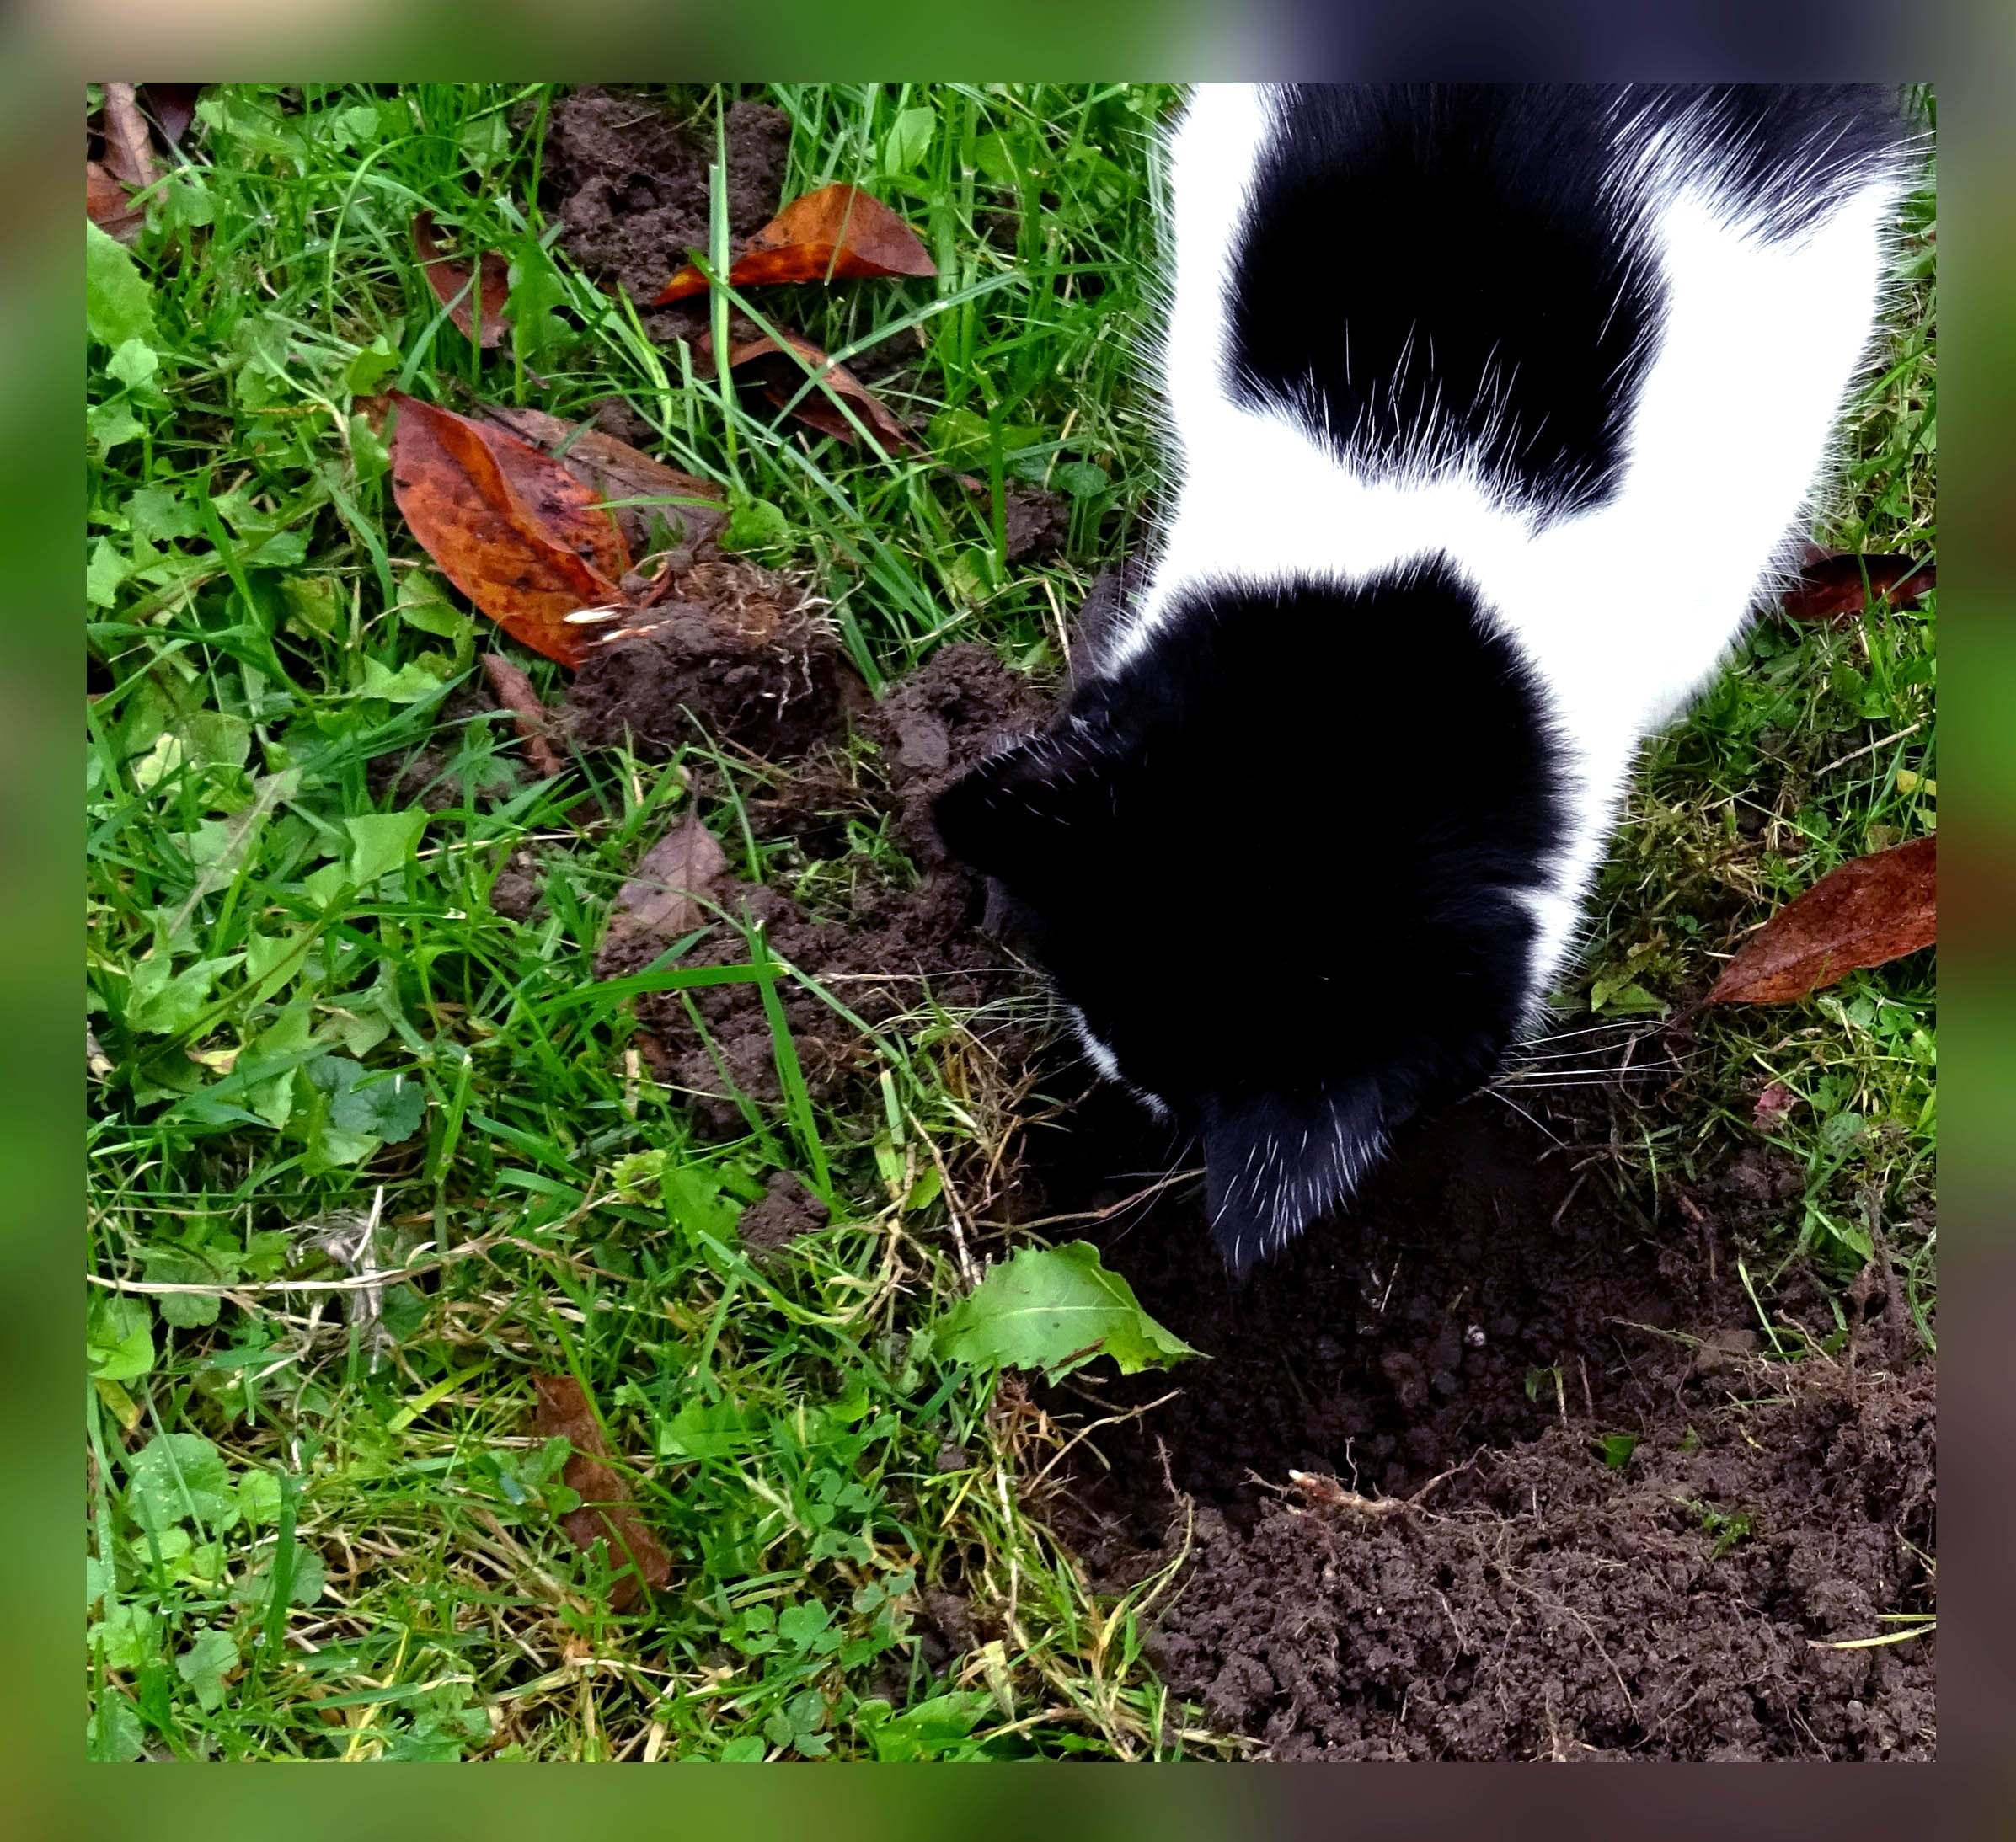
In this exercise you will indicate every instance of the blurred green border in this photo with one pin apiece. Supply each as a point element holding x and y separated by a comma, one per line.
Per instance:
<point>43,61</point>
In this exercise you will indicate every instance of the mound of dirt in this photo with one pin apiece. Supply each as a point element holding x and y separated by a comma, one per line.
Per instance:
<point>1543,1606</point>
<point>787,1211</point>
<point>629,183</point>
<point>1490,1310</point>
<point>1636,1536</point>
<point>740,651</point>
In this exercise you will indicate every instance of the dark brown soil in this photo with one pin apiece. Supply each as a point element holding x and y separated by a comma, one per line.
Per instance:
<point>1035,522</point>
<point>629,184</point>
<point>787,1211</point>
<point>744,654</point>
<point>882,961</point>
<point>1489,1310</point>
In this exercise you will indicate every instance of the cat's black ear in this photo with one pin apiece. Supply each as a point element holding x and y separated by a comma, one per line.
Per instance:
<point>1024,815</point>
<point>1275,1163</point>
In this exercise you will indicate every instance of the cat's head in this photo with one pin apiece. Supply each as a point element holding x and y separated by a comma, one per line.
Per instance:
<point>1279,857</point>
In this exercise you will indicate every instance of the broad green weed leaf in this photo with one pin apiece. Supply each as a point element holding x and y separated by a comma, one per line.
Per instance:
<point>908,140</point>
<point>112,1732</point>
<point>701,1430</point>
<point>134,363</point>
<point>407,685</point>
<point>106,569</point>
<point>178,1474</point>
<point>119,301</point>
<point>388,1107</point>
<point>371,367</point>
<point>119,1338</point>
<point>206,1663</point>
<point>380,842</point>
<point>1055,1309</point>
<point>188,1310</point>
<point>755,524</point>
<point>311,605</point>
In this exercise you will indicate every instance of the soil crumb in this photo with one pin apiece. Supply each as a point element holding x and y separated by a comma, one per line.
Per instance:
<point>787,1211</point>
<point>1035,522</point>
<point>742,652</point>
<point>628,182</point>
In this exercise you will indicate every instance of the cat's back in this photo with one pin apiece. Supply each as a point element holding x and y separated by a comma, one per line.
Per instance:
<point>1529,328</point>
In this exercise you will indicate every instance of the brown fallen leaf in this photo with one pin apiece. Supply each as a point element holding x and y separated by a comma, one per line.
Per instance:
<point>510,526</point>
<point>662,902</point>
<point>838,233</point>
<point>615,472</point>
<point>514,693</point>
<point>1875,909</point>
<point>607,1518</point>
<point>129,142</point>
<point>1835,585</point>
<point>173,106</point>
<point>449,278</point>
<point>764,362</point>
<point>109,206</point>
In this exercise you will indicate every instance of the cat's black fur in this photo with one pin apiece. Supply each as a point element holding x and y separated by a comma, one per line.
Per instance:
<point>1270,859</point>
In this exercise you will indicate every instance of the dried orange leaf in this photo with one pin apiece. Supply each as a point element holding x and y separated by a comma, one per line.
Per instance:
<point>783,376</point>
<point>449,278</point>
<point>1875,909</point>
<point>1835,585</point>
<point>616,471</point>
<point>510,526</point>
<point>607,1518</point>
<point>838,233</point>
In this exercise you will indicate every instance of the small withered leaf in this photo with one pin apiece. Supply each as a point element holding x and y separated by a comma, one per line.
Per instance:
<point>615,472</point>
<point>608,1516</point>
<point>782,374</point>
<point>510,526</point>
<point>1834,585</point>
<point>837,233</point>
<point>449,277</point>
<point>665,898</point>
<point>1867,913</point>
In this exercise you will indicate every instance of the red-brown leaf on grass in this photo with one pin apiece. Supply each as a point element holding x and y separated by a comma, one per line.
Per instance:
<point>838,233</point>
<point>173,106</point>
<point>1875,909</point>
<point>449,278</point>
<point>615,470</point>
<point>764,362</point>
<point>510,526</point>
<point>1834,585</point>
<point>109,206</point>
<point>514,693</point>
<point>663,900</point>
<point>607,1518</point>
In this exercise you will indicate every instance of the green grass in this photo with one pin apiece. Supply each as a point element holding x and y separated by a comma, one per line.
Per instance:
<point>319,1525</point>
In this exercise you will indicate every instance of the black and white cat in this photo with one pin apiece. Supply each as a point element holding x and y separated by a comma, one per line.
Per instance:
<point>1491,412</point>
